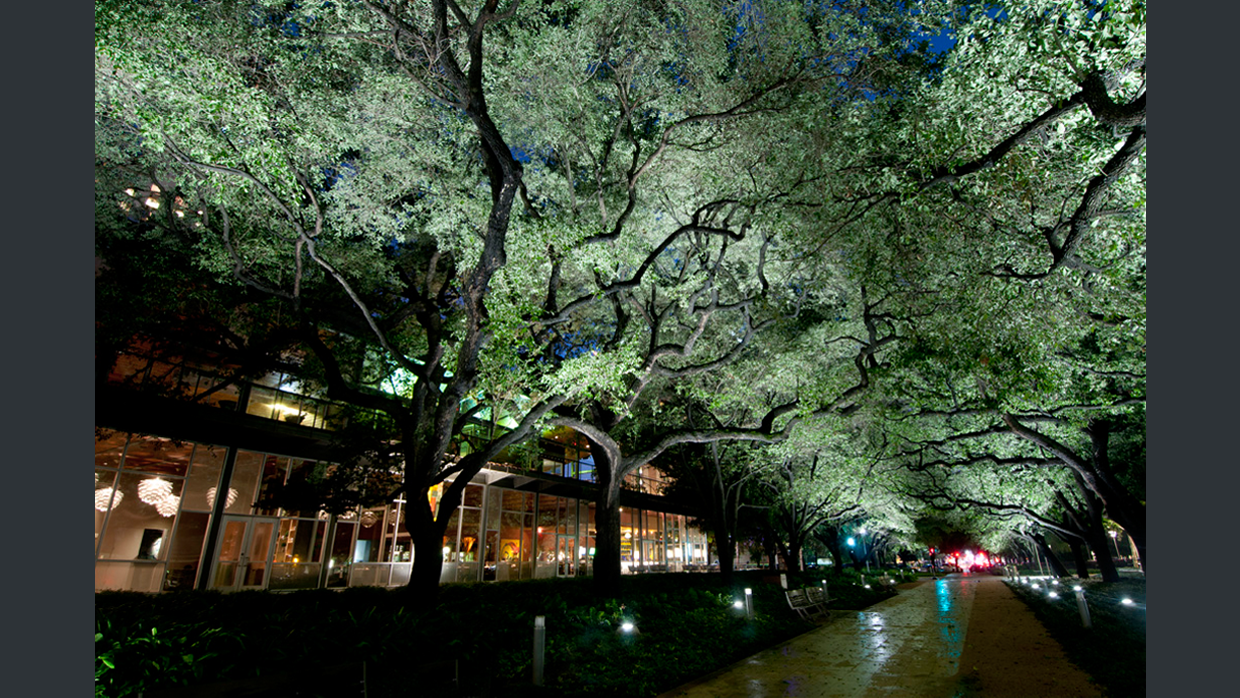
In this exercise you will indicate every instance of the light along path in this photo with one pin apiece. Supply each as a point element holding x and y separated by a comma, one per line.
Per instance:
<point>909,646</point>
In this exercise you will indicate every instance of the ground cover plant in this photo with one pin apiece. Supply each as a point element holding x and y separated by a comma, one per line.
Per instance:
<point>685,626</point>
<point>1112,651</point>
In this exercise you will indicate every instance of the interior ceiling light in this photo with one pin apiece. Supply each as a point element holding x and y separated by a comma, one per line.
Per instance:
<point>232,497</point>
<point>168,505</point>
<point>154,490</point>
<point>104,500</point>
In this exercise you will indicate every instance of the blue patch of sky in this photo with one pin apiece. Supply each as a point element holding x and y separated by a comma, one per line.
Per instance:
<point>945,39</point>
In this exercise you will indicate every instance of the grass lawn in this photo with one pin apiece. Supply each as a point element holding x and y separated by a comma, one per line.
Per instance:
<point>1112,651</point>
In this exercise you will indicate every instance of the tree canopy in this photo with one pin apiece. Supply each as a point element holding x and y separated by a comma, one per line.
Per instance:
<point>659,222</point>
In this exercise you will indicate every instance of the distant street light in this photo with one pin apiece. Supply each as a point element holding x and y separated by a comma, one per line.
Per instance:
<point>1115,540</point>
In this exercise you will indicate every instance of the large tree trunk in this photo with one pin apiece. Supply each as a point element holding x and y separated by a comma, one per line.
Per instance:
<point>794,556</point>
<point>1095,533</point>
<point>607,532</point>
<point>1078,556</point>
<point>426,534</point>
<point>1132,520</point>
<point>829,536</point>
<point>1138,554</point>
<point>770,547</point>
<point>725,546</point>
<point>1097,538</point>
<point>1120,504</point>
<point>1051,558</point>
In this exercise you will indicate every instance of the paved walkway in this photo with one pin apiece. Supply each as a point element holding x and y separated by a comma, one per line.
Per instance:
<point>911,646</point>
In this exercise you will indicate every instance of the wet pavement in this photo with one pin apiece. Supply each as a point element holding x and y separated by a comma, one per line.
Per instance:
<point>907,646</point>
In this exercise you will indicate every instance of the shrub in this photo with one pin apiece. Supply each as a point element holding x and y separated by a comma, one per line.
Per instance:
<point>686,626</point>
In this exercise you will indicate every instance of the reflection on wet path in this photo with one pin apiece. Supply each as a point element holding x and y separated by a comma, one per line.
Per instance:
<point>953,595</point>
<point>908,646</point>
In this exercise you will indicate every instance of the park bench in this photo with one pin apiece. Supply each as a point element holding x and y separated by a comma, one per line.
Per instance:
<point>819,596</point>
<point>810,603</point>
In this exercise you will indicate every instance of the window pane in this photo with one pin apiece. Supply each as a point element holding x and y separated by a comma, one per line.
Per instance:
<point>128,576</point>
<point>338,562</point>
<point>154,454</point>
<point>369,536</point>
<point>301,471</point>
<point>568,517</point>
<point>245,481</point>
<point>548,513</point>
<point>398,542</point>
<point>141,518</point>
<point>105,498</point>
<point>109,447</point>
<point>216,391</point>
<point>275,469</point>
<point>204,478</point>
<point>300,541</point>
<point>471,520</point>
<point>286,576</point>
<point>262,402</point>
<point>128,370</point>
<point>493,508</point>
<point>513,500</point>
<point>186,551</point>
<point>450,536</point>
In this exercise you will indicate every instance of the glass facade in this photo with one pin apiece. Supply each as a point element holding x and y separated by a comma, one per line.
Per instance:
<point>147,535</point>
<point>177,515</point>
<point>275,396</point>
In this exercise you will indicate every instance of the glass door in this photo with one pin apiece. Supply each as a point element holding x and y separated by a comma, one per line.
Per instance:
<point>566,556</point>
<point>244,560</point>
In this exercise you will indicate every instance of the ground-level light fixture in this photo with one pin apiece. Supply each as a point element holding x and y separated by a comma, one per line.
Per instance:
<point>1053,595</point>
<point>627,626</point>
<point>1127,601</point>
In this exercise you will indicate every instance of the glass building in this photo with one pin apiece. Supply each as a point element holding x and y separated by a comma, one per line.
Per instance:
<point>177,483</point>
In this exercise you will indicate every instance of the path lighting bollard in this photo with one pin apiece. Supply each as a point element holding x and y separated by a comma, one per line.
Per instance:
<point>540,641</point>
<point>1083,607</point>
<point>749,603</point>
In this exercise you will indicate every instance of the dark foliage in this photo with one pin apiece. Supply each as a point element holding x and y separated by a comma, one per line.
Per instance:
<point>686,626</point>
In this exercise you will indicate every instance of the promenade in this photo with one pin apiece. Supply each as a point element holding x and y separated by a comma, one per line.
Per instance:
<point>962,636</point>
